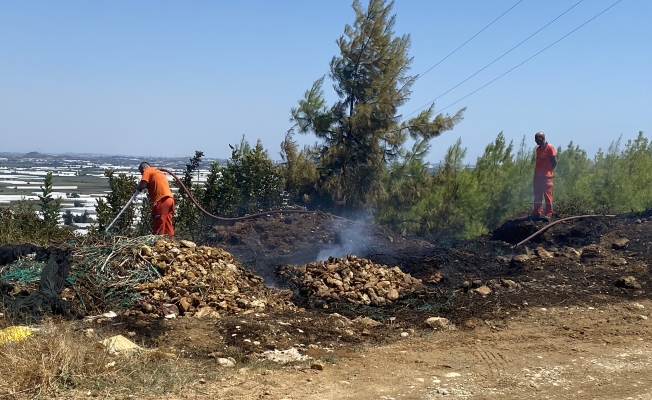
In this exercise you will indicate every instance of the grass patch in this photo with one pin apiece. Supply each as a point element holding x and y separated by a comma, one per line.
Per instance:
<point>61,360</point>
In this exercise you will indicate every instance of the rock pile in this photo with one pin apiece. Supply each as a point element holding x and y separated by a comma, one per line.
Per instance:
<point>201,280</point>
<point>352,279</point>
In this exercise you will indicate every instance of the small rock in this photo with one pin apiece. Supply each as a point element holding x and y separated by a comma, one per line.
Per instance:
<point>366,332</point>
<point>572,253</point>
<point>202,381</point>
<point>642,317</point>
<point>188,244</point>
<point>473,323</point>
<point>520,260</point>
<point>620,244</point>
<point>366,321</point>
<point>628,282</point>
<point>184,304</point>
<point>317,365</point>
<point>90,332</point>
<point>543,253</point>
<point>638,221</point>
<point>483,290</point>
<point>438,323</point>
<point>225,362</point>
<point>591,251</point>
<point>618,262</point>
<point>508,283</point>
<point>404,334</point>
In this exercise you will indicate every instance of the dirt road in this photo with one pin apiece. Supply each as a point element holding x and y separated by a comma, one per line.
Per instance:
<point>579,352</point>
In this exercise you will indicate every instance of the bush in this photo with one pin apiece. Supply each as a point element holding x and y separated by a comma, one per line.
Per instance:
<point>21,224</point>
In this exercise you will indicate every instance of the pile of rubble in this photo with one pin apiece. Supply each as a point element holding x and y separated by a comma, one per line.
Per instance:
<point>201,280</point>
<point>352,279</point>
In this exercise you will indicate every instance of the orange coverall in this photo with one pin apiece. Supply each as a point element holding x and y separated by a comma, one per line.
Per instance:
<point>543,175</point>
<point>162,200</point>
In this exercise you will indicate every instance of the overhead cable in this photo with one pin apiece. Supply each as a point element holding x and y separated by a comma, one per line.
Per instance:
<point>528,59</point>
<point>491,63</point>
<point>472,37</point>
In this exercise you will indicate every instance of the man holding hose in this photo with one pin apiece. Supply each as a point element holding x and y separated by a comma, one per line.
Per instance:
<point>161,197</point>
<point>545,163</point>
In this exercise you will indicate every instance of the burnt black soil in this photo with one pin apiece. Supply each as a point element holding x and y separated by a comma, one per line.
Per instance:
<point>451,273</point>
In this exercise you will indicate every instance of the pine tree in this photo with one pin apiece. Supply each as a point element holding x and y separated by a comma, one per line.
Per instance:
<point>50,207</point>
<point>361,133</point>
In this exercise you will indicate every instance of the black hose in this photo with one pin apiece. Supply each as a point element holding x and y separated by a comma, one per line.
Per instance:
<point>556,222</point>
<point>176,178</point>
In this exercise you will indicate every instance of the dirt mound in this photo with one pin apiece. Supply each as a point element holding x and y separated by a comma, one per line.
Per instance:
<point>352,279</point>
<point>162,276</point>
<point>263,244</point>
<point>578,232</point>
<point>201,280</point>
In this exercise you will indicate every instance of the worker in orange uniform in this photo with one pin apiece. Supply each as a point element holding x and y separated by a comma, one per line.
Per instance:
<point>542,183</point>
<point>161,197</point>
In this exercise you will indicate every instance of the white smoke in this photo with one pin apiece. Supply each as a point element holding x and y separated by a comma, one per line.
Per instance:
<point>351,238</point>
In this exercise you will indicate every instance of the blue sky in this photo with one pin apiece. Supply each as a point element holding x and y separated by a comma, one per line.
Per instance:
<point>164,78</point>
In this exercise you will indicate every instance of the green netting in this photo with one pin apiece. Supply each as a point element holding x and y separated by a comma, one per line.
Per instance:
<point>104,274</point>
<point>22,271</point>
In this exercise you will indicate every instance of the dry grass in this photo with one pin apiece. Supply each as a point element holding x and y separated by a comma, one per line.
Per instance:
<point>62,361</point>
<point>56,357</point>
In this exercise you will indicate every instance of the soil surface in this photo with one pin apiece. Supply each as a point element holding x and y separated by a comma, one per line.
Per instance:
<point>565,315</point>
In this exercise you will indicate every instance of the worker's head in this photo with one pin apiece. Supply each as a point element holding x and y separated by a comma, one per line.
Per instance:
<point>540,138</point>
<point>143,166</point>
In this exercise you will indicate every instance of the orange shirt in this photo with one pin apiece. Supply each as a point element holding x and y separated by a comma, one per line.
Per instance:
<point>543,166</point>
<point>157,184</point>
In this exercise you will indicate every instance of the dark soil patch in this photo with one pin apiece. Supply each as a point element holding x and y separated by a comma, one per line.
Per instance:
<point>263,244</point>
<point>451,272</point>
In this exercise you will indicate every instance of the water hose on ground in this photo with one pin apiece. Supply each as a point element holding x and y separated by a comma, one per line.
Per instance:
<point>556,222</point>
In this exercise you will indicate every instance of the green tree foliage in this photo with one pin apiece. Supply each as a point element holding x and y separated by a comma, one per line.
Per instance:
<point>361,133</point>
<point>20,224</point>
<point>122,188</point>
<point>299,172</point>
<point>250,183</point>
<point>466,201</point>
<point>573,190</point>
<point>187,218</point>
<point>50,207</point>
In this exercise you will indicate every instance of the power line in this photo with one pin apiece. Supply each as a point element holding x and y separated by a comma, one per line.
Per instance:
<point>501,56</point>
<point>528,59</point>
<point>472,37</point>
